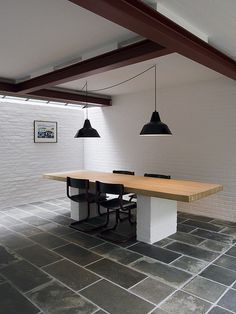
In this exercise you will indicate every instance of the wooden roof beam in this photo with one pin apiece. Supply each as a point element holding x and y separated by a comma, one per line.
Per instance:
<point>140,18</point>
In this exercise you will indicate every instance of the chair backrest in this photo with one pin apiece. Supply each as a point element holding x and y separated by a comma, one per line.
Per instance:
<point>130,173</point>
<point>156,175</point>
<point>78,183</point>
<point>109,188</point>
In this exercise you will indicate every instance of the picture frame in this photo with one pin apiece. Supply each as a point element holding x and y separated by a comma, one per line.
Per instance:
<point>45,131</point>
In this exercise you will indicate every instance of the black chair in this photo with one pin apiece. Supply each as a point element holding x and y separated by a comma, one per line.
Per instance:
<point>156,175</point>
<point>83,197</point>
<point>130,173</point>
<point>117,205</point>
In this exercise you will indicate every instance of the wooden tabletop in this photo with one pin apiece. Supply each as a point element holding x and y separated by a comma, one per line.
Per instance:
<point>179,190</point>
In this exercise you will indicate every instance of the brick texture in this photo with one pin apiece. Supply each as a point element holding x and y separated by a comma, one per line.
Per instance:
<point>202,148</point>
<point>22,162</point>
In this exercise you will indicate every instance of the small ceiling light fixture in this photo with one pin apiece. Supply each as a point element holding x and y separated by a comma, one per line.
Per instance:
<point>155,127</point>
<point>87,130</point>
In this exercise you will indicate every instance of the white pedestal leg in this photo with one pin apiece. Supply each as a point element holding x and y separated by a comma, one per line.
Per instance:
<point>156,218</point>
<point>79,211</point>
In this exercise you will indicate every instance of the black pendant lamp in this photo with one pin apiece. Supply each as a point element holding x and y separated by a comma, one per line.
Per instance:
<point>155,127</point>
<point>87,130</point>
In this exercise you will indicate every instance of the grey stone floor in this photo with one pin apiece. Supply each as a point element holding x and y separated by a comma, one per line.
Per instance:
<point>47,267</point>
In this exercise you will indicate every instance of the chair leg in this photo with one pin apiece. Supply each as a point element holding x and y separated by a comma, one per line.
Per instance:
<point>130,219</point>
<point>76,224</point>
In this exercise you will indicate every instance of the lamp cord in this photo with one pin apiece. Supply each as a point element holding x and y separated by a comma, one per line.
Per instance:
<point>122,82</point>
<point>155,87</point>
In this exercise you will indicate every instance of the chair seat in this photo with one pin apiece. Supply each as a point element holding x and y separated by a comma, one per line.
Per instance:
<point>114,203</point>
<point>83,197</point>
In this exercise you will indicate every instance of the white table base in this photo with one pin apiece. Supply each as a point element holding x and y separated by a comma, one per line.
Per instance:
<point>156,217</point>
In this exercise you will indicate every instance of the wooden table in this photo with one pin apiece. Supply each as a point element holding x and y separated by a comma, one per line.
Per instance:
<point>156,199</point>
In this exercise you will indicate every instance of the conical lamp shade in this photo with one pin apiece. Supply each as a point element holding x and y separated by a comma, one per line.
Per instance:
<point>87,130</point>
<point>155,127</point>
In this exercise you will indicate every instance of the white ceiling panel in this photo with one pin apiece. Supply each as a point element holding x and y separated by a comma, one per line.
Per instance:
<point>37,34</point>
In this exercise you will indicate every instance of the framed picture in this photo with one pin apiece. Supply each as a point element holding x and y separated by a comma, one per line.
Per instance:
<point>45,131</point>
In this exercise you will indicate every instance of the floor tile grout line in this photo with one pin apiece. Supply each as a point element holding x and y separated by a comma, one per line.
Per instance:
<point>188,281</point>
<point>21,293</point>
<point>216,302</point>
<point>98,275</point>
<point>136,284</point>
<point>159,261</point>
<point>89,264</point>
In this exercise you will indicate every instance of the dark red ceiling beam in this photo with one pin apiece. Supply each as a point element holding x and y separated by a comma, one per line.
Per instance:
<point>114,59</point>
<point>147,22</point>
<point>7,87</point>
<point>65,95</point>
<point>70,97</point>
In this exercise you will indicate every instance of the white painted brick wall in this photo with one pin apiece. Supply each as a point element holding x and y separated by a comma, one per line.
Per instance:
<point>22,162</point>
<point>202,117</point>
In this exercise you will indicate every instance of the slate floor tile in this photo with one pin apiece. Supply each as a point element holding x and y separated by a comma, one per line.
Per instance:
<point>189,264</point>
<point>123,256</point>
<point>203,225</point>
<point>49,206</point>
<point>229,230</point>
<point>214,246</point>
<point>82,239</point>
<point>116,273</point>
<point>227,262</point>
<point>213,236</point>
<point>64,211</point>
<point>62,220</point>
<point>15,241</point>
<point>8,221</point>
<point>55,298</point>
<point>224,223</point>
<point>26,230</point>
<point>104,248</point>
<point>116,300</point>
<point>116,253</point>
<point>184,303</point>
<point>205,289</point>
<point>4,232</point>
<point>162,272</point>
<point>180,219</point>
<point>155,252</point>
<point>186,238</point>
<point>72,275</point>
<point>159,311</point>
<point>163,242</point>
<point>27,207</point>
<point>219,274</point>
<point>152,290</point>
<point>196,217</point>
<point>192,251</point>
<point>185,228</point>
<point>17,213</point>
<point>232,251</point>
<point>48,240</point>
<point>2,279</point>
<point>218,310</point>
<point>13,302</point>
<point>24,275</point>
<point>7,257</point>
<point>78,254</point>
<point>45,214</point>
<point>228,300</point>
<point>56,229</point>
<point>35,220</point>
<point>38,255</point>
